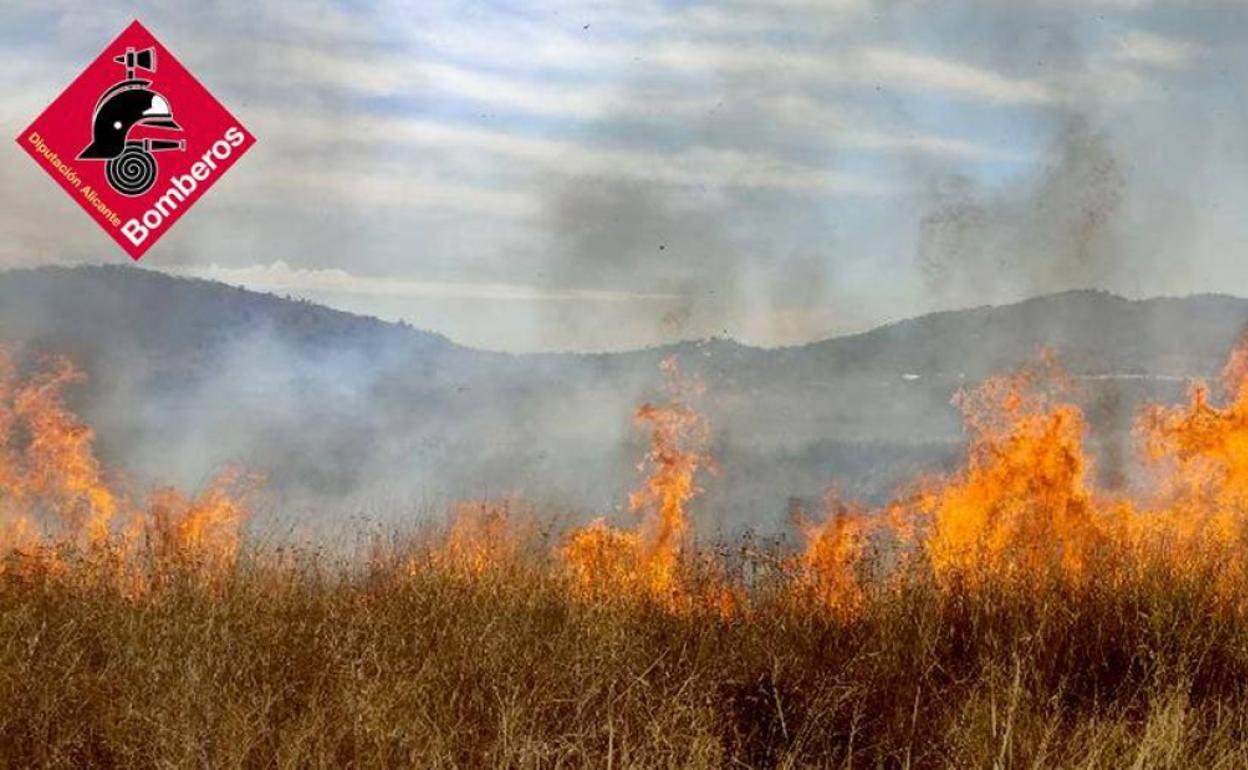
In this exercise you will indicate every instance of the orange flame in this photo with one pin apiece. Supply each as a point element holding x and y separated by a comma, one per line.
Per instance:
<point>1022,506</point>
<point>205,528</point>
<point>53,494</point>
<point>647,561</point>
<point>49,475</point>
<point>832,563</point>
<point>484,535</point>
<point>1199,453</point>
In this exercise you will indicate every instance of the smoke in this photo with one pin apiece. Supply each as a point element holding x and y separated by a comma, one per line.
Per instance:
<point>1010,150</point>
<point>612,232</point>
<point>774,174</point>
<point>1059,229</point>
<point>790,170</point>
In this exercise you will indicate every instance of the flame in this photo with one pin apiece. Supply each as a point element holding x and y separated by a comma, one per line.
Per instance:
<point>48,473</point>
<point>205,528</point>
<point>1023,509</point>
<point>604,561</point>
<point>831,565</point>
<point>1022,506</point>
<point>54,497</point>
<point>646,561</point>
<point>1199,453</point>
<point>484,535</point>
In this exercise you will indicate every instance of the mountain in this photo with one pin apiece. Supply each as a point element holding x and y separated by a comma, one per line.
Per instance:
<point>348,414</point>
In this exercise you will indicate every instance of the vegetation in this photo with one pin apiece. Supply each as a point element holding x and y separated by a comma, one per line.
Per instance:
<point>288,662</point>
<point>1011,614</point>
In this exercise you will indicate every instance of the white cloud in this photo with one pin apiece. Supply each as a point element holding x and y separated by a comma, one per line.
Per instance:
<point>886,67</point>
<point>393,191</point>
<point>902,69</point>
<point>400,75</point>
<point>692,166</point>
<point>370,111</point>
<point>844,127</point>
<point>889,68</point>
<point>281,277</point>
<point>396,75</point>
<point>1138,47</point>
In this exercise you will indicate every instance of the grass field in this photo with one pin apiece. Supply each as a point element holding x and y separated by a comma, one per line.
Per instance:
<point>416,663</point>
<point>1012,614</point>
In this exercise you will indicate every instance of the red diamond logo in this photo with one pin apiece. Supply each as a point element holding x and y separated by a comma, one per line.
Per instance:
<point>136,140</point>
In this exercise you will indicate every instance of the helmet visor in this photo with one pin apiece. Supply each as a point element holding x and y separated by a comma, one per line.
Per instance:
<point>161,122</point>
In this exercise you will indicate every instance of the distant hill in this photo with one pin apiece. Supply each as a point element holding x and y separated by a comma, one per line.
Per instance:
<point>351,414</point>
<point>174,322</point>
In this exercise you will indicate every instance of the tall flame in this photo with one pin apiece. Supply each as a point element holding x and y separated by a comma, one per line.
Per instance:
<point>1024,508</point>
<point>1199,453</point>
<point>54,495</point>
<point>831,565</point>
<point>49,476</point>
<point>647,560</point>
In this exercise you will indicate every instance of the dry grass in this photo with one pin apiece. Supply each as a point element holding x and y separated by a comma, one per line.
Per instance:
<point>288,661</point>
<point>1009,615</point>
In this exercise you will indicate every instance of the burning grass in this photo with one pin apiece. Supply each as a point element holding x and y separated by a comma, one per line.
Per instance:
<point>1012,613</point>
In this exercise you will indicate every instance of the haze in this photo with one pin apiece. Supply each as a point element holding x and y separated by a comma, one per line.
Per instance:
<point>572,176</point>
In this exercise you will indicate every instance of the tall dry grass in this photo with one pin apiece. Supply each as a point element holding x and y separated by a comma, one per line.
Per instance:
<point>1012,614</point>
<point>288,660</point>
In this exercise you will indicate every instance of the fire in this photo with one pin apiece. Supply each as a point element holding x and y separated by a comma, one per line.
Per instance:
<point>647,561</point>
<point>604,560</point>
<point>1023,509</point>
<point>831,565</point>
<point>484,535</point>
<point>1023,505</point>
<point>49,476</point>
<point>205,528</point>
<point>1199,452</point>
<point>54,496</point>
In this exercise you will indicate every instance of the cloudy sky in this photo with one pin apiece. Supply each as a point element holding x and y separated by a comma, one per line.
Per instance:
<point>601,175</point>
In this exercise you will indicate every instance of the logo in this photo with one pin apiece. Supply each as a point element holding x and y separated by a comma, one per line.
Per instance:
<point>112,142</point>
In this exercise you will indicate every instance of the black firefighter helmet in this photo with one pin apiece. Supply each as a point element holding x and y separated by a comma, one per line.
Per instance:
<point>122,107</point>
<point>130,169</point>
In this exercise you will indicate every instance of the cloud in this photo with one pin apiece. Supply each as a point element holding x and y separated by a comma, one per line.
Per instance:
<point>295,181</point>
<point>371,74</point>
<point>675,46</point>
<point>841,127</point>
<point>1138,47</point>
<point>903,69</point>
<point>873,67</point>
<point>689,166</point>
<point>279,276</point>
<point>792,157</point>
<point>661,104</point>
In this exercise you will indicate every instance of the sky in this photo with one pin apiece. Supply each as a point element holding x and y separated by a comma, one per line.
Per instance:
<point>586,176</point>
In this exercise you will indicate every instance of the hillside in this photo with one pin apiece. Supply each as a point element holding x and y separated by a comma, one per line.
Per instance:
<point>341,409</point>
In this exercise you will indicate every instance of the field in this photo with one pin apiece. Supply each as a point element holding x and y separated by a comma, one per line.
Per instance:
<point>1012,614</point>
<point>302,666</point>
